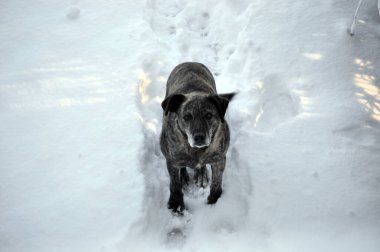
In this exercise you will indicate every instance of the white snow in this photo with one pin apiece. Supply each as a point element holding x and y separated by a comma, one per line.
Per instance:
<point>80,89</point>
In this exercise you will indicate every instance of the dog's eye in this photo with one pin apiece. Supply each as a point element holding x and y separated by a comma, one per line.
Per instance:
<point>187,117</point>
<point>208,116</point>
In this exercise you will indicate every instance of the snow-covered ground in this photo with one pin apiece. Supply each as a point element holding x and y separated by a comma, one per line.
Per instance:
<point>80,89</point>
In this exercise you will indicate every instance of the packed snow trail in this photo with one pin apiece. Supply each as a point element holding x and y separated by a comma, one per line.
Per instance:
<point>80,89</point>
<point>157,222</point>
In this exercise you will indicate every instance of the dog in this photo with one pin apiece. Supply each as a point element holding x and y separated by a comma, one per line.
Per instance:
<point>194,131</point>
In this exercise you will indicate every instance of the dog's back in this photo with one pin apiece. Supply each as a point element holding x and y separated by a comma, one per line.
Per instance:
<point>190,77</point>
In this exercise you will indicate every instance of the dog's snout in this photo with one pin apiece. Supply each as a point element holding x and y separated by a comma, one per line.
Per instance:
<point>199,138</point>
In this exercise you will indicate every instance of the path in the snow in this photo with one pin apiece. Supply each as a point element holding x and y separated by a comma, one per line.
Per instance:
<point>157,222</point>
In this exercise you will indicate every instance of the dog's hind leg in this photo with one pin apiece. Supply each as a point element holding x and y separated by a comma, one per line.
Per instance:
<point>175,203</point>
<point>216,181</point>
<point>201,176</point>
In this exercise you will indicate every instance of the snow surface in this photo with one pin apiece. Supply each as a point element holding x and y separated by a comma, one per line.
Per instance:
<point>80,88</point>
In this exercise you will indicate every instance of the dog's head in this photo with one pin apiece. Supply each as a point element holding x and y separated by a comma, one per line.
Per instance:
<point>198,116</point>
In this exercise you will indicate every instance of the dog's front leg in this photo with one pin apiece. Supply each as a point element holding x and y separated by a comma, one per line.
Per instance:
<point>217,169</point>
<point>175,203</point>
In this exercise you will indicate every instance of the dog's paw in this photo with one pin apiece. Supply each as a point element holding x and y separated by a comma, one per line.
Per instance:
<point>201,177</point>
<point>176,205</point>
<point>213,197</point>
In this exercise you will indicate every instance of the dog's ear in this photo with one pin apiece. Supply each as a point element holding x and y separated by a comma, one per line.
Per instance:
<point>172,103</point>
<point>221,103</point>
<point>228,96</point>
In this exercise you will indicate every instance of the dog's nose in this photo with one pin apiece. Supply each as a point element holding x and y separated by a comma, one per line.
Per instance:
<point>199,138</point>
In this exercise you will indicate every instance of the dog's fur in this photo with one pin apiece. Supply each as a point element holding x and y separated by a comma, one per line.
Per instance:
<point>194,132</point>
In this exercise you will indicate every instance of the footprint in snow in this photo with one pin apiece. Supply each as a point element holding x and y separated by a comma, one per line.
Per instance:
<point>162,17</point>
<point>175,238</point>
<point>276,104</point>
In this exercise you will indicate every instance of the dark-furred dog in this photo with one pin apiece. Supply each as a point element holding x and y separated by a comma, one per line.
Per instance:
<point>194,132</point>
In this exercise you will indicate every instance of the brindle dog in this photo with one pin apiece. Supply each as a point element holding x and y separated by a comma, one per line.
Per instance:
<point>194,132</point>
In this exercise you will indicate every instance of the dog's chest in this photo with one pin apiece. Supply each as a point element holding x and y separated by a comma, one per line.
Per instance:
<point>197,158</point>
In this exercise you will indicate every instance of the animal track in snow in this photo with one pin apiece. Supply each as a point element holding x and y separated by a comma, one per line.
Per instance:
<point>162,18</point>
<point>276,102</point>
<point>184,25</point>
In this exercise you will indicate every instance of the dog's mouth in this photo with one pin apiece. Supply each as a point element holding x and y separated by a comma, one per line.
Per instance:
<point>200,145</point>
